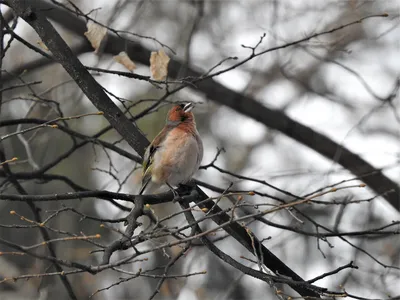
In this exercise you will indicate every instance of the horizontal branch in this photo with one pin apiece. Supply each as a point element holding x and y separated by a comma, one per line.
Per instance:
<point>148,199</point>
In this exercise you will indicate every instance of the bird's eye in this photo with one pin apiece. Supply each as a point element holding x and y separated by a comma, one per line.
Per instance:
<point>180,107</point>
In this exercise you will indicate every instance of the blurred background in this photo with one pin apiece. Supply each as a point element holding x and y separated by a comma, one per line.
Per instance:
<point>338,84</point>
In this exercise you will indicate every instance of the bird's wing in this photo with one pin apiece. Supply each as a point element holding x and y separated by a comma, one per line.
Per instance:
<point>200,151</point>
<point>149,158</point>
<point>147,166</point>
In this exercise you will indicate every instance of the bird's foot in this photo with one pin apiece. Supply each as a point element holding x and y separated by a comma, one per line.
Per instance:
<point>177,197</point>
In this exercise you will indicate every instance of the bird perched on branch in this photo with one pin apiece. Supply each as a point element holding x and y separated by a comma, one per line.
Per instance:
<point>175,153</point>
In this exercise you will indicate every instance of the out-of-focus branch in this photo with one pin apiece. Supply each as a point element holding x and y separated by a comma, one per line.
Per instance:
<point>346,266</point>
<point>7,17</point>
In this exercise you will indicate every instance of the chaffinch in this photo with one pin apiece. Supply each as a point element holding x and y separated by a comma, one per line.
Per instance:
<point>175,153</point>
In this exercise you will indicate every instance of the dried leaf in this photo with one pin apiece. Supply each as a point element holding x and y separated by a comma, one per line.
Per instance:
<point>124,60</point>
<point>159,65</point>
<point>42,45</point>
<point>95,34</point>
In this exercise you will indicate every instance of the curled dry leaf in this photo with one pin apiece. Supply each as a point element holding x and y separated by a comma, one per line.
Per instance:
<point>95,34</point>
<point>124,60</point>
<point>159,65</point>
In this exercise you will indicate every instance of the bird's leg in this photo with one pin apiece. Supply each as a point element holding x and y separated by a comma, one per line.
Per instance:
<point>177,198</point>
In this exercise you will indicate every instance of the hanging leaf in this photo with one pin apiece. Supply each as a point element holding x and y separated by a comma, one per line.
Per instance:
<point>159,65</point>
<point>95,34</point>
<point>124,60</point>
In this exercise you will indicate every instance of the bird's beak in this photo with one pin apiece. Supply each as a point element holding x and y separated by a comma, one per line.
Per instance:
<point>188,107</point>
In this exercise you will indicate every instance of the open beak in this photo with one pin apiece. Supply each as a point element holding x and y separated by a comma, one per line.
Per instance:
<point>188,107</point>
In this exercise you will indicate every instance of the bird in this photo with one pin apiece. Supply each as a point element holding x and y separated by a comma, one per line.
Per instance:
<point>175,153</point>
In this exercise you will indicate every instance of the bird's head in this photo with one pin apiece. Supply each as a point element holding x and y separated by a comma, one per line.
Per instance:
<point>181,113</point>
